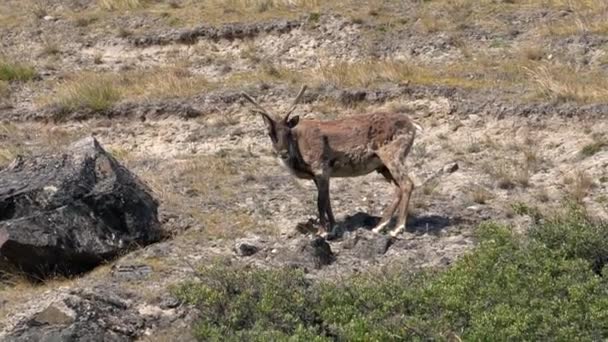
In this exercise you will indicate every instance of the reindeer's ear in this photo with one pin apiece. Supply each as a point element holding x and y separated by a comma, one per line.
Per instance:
<point>293,121</point>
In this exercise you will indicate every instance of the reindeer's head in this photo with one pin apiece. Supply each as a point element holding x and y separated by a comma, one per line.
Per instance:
<point>278,129</point>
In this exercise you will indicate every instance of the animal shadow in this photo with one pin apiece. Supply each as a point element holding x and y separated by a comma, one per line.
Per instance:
<point>429,224</point>
<point>423,224</point>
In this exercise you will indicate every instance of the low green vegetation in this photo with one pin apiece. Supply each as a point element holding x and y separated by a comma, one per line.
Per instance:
<point>545,285</point>
<point>10,71</point>
<point>593,148</point>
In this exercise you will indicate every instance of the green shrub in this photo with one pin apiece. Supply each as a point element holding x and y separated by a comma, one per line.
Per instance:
<point>15,71</point>
<point>251,305</point>
<point>510,287</point>
<point>575,235</point>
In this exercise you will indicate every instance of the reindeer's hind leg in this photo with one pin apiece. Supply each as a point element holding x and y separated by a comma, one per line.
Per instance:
<point>407,187</point>
<point>389,211</point>
<point>393,157</point>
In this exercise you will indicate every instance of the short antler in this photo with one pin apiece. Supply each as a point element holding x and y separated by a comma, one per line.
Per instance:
<point>295,103</point>
<point>257,105</point>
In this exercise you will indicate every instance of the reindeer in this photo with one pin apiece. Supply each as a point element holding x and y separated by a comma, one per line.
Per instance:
<point>347,147</point>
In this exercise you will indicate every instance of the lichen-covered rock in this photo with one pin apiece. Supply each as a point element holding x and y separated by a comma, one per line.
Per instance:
<point>91,314</point>
<point>65,213</point>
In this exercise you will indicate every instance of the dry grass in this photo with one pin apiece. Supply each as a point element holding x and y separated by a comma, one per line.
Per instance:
<point>533,52</point>
<point>479,194</point>
<point>114,5</point>
<point>16,288</point>
<point>164,83</point>
<point>27,139</point>
<point>206,188</point>
<point>99,92</point>
<point>261,6</point>
<point>15,71</point>
<point>599,142</point>
<point>265,73</point>
<point>368,73</point>
<point>363,74</point>
<point>578,185</point>
<point>508,174</point>
<point>4,91</point>
<point>562,83</point>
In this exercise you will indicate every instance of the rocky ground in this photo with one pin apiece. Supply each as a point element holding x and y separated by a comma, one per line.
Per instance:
<point>512,97</point>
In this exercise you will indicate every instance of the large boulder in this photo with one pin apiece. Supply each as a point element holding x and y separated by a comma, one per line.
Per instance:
<point>66,213</point>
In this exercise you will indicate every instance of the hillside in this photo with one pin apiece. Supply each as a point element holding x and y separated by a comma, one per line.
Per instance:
<point>512,96</point>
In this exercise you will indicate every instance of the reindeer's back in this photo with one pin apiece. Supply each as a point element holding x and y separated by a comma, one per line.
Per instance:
<point>352,139</point>
<point>375,128</point>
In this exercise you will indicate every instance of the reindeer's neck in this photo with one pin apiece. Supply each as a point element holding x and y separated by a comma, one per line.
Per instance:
<point>295,162</point>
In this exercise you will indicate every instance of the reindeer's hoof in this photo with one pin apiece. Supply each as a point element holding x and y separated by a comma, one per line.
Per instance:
<point>397,232</point>
<point>380,228</point>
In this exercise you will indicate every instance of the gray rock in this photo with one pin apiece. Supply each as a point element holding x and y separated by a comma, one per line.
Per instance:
<point>52,315</point>
<point>314,253</point>
<point>365,244</point>
<point>245,248</point>
<point>133,272</point>
<point>450,168</point>
<point>169,302</point>
<point>84,315</point>
<point>68,212</point>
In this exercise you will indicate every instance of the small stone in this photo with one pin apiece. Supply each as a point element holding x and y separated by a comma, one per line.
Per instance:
<point>49,18</point>
<point>319,251</point>
<point>131,271</point>
<point>474,208</point>
<point>450,168</point>
<point>169,303</point>
<point>245,249</point>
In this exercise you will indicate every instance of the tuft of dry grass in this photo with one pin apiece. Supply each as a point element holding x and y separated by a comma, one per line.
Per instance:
<point>4,90</point>
<point>96,92</point>
<point>479,194</point>
<point>363,74</point>
<point>114,5</point>
<point>15,71</point>
<point>261,6</point>
<point>508,174</point>
<point>18,140</point>
<point>100,92</point>
<point>39,8</point>
<point>561,83</point>
<point>578,185</point>
<point>532,52</point>
<point>599,142</point>
<point>167,82</point>
<point>50,47</point>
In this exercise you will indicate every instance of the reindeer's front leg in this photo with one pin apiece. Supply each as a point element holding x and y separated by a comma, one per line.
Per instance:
<point>326,216</point>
